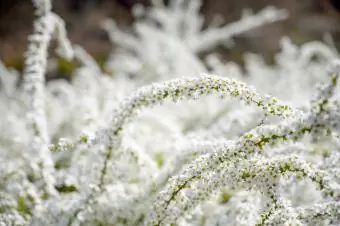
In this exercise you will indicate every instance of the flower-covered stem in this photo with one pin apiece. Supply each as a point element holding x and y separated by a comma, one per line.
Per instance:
<point>179,89</point>
<point>185,88</point>
<point>176,90</point>
<point>256,174</point>
<point>193,88</point>
<point>34,85</point>
<point>46,25</point>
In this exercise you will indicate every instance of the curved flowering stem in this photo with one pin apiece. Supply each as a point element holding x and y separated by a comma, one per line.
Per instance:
<point>193,88</point>
<point>176,90</point>
<point>259,174</point>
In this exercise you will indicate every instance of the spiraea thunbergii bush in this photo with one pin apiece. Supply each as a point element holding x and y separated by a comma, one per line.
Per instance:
<point>162,141</point>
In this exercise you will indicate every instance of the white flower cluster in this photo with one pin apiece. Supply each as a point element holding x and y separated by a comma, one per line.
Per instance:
<point>143,145</point>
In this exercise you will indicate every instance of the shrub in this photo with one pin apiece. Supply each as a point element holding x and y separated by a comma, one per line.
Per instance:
<point>144,146</point>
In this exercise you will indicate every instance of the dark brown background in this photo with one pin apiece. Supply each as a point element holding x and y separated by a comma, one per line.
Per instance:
<point>309,20</point>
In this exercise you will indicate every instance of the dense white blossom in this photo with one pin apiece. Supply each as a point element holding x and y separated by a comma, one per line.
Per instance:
<point>167,138</point>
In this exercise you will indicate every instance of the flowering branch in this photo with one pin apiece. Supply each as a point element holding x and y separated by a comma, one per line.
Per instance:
<point>34,81</point>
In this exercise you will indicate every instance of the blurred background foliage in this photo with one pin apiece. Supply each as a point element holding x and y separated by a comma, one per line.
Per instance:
<point>309,20</point>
